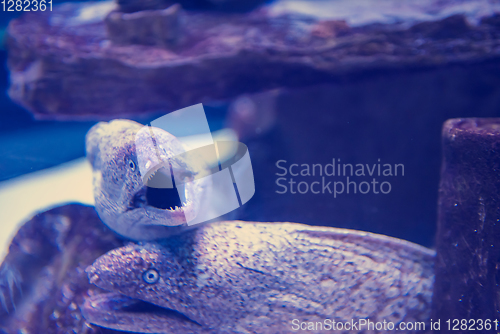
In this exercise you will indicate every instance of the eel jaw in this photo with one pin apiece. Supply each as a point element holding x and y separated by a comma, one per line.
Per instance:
<point>168,199</point>
<point>162,201</point>
<point>116,311</point>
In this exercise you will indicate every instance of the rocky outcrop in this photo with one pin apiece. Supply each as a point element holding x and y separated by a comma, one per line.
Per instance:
<point>468,238</point>
<point>69,64</point>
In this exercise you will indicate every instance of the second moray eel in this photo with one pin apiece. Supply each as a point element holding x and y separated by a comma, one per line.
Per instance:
<point>237,277</point>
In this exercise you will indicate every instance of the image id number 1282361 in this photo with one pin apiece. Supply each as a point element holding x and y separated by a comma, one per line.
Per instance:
<point>26,5</point>
<point>472,324</point>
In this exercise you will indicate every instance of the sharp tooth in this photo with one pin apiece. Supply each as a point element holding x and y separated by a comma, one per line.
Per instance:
<point>152,174</point>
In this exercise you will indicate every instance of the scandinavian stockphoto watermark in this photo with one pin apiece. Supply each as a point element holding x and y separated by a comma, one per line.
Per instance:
<point>220,171</point>
<point>336,178</point>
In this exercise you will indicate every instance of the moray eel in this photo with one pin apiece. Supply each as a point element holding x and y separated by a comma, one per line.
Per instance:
<point>236,277</point>
<point>124,156</point>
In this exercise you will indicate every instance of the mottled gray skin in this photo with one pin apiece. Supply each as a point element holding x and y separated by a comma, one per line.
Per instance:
<point>123,155</point>
<point>237,277</point>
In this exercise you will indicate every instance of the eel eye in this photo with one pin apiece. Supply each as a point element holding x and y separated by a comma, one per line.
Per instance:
<point>131,164</point>
<point>150,276</point>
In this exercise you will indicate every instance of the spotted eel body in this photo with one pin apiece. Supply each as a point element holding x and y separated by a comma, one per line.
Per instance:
<point>237,277</point>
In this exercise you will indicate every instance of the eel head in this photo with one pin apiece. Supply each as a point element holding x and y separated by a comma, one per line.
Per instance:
<point>127,159</point>
<point>145,291</point>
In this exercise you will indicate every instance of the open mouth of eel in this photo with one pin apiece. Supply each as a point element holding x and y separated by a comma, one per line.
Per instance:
<point>161,193</point>
<point>171,199</point>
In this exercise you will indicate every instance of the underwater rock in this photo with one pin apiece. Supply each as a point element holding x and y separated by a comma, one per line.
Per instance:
<point>159,27</point>
<point>468,237</point>
<point>240,276</point>
<point>63,64</point>
<point>42,278</point>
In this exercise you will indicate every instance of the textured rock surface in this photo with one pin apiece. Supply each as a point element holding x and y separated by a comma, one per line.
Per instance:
<point>158,27</point>
<point>468,237</point>
<point>356,273</point>
<point>63,64</point>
